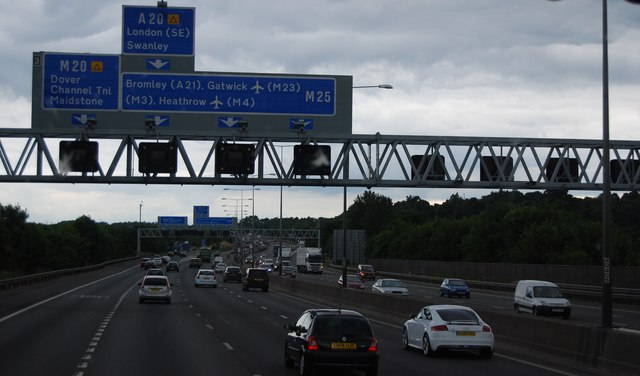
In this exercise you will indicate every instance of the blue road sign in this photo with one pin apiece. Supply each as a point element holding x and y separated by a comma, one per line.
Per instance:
<point>214,221</point>
<point>200,211</point>
<point>214,93</point>
<point>158,31</point>
<point>172,221</point>
<point>82,81</point>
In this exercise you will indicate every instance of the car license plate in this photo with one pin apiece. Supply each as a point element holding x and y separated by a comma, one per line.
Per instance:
<point>343,345</point>
<point>557,310</point>
<point>466,334</point>
<point>258,279</point>
<point>155,289</point>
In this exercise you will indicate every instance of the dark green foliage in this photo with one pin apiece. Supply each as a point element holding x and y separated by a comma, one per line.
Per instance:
<point>29,248</point>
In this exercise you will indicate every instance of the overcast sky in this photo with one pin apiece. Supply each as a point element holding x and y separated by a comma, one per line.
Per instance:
<point>499,68</point>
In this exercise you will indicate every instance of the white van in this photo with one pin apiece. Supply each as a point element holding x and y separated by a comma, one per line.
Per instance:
<point>540,298</point>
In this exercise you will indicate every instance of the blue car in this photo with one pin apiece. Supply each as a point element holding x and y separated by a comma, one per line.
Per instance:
<point>454,287</point>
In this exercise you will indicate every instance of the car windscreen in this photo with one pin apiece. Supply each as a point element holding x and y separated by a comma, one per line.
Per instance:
<point>341,326</point>
<point>392,283</point>
<point>546,292</point>
<point>457,315</point>
<point>366,268</point>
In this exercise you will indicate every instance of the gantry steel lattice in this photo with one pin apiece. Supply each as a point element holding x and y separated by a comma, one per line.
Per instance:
<point>357,161</point>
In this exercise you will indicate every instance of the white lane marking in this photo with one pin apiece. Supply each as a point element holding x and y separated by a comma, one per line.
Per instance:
<point>16,313</point>
<point>265,308</point>
<point>198,314</point>
<point>209,326</point>
<point>284,317</point>
<point>228,346</point>
<point>536,365</point>
<point>225,320</point>
<point>496,307</point>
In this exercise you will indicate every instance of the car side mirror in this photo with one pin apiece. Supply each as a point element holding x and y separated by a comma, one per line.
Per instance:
<point>289,327</point>
<point>139,283</point>
<point>413,316</point>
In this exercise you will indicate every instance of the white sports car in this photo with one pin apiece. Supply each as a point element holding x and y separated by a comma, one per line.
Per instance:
<point>448,327</point>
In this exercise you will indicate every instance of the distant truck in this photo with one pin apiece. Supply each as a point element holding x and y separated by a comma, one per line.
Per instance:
<point>205,255</point>
<point>307,260</point>
<point>285,259</point>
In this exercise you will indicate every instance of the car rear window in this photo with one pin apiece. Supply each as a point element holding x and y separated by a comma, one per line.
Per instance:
<point>258,273</point>
<point>457,315</point>
<point>338,326</point>
<point>206,272</point>
<point>155,282</point>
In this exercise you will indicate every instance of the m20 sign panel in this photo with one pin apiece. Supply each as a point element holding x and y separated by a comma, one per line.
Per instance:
<point>82,81</point>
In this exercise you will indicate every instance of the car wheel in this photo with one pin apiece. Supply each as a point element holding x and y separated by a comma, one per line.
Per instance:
<point>468,296</point>
<point>288,361</point>
<point>168,301</point>
<point>566,316</point>
<point>372,371</point>
<point>426,346</point>
<point>196,285</point>
<point>534,311</point>
<point>140,301</point>
<point>516,308</point>
<point>304,368</point>
<point>405,339</point>
<point>265,289</point>
<point>448,294</point>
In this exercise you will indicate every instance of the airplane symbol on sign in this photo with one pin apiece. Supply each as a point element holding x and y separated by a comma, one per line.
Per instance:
<point>216,103</point>
<point>257,87</point>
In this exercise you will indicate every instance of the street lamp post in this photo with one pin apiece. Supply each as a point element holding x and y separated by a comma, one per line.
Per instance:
<point>139,229</point>
<point>607,305</point>
<point>253,214</point>
<point>381,86</point>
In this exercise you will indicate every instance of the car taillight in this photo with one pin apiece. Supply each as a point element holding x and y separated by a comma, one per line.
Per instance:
<point>486,328</point>
<point>373,346</point>
<point>439,328</point>
<point>312,345</point>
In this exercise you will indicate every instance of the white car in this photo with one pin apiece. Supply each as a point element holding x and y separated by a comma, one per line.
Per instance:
<point>155,287</point>
<point>390,286</point>
<point>448,327</point>
<point>220,267</point>
<point>206,277</point>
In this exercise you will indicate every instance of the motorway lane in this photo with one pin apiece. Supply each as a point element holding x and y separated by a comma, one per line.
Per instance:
<point>223,330</point>
<point>52,337</point>
<point>624,316</point>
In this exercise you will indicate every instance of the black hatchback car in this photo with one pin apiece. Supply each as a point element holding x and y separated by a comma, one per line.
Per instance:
<point>232,273</point>
<point>255,278</point>
<point>331,338</point>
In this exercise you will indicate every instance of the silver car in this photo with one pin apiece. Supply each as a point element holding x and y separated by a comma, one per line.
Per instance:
<point>390,286</point>
<point>155,287</point>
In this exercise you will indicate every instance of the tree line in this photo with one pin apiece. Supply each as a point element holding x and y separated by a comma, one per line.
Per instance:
<point>550,227</point>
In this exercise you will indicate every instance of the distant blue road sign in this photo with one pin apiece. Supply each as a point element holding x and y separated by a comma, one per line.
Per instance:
<point>158,31</point>
<point>201,211</point>
<point>213,93</point>
<point>172,221</point>
<point>214,221</point>
<point>81,81</point>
